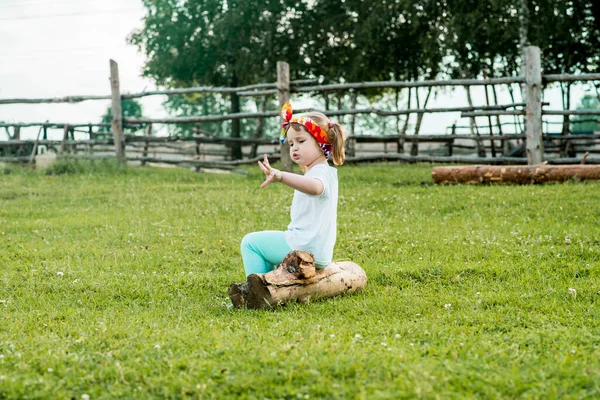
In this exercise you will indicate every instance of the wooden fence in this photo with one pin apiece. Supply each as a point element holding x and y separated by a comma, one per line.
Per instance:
<point>528,146</point>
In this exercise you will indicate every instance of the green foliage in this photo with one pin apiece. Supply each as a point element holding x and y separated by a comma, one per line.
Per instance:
<point>115,286</point>
<point>236,43</point>
<point>130,108</point>
<point>482,35</point>
<point>218,42</point>
<point>582,123</point>
<point>568,34</point>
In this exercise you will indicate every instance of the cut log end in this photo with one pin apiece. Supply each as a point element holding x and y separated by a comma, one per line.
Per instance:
<point>297,279</point>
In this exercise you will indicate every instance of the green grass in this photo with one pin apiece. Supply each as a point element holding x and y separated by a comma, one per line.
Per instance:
<point>113,283</point>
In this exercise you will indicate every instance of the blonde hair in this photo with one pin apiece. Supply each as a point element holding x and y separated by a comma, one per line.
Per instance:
<point>335,134</point>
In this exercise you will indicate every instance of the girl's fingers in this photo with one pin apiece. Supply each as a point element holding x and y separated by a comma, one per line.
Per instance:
<point>264,168</point>
<point>270,179</point>
<point>266,182</point>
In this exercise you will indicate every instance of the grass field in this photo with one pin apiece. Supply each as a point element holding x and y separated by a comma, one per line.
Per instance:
<point>113,284</point>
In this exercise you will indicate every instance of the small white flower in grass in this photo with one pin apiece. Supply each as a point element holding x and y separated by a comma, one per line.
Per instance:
<point>332,335</point>
<point>50,370</point>
<point>358,336</point>
<point>1,356</point>
<point>477,293</point>
<point>2,301</point>
<point>384,344</point>
<point>60,273</point>
<point>157,346</point>
<point>397,336</point>
<point>447,306</point>
<point>572,292</point>
<point>2,377</point>
<point>85,396</point>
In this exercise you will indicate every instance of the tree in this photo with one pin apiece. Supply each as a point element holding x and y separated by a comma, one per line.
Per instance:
<point>220,43</point>
<point>568,34</point>
<point>130,108</point>
<point>585,123</point>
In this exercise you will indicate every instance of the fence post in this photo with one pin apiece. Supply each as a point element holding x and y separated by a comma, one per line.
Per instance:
<point>451,142</point>
<point>351,143</point>
<point>63,144</point>
<point>17,136</point>
<point>533,116</point>
<point>92,138</point>
<point>117,113</point>
<point>148,133</point>
<point>283,94</point>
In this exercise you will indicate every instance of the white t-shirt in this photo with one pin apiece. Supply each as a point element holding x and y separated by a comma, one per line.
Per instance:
<point>313,226</point>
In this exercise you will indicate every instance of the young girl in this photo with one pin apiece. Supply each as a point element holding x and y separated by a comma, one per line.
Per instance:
<point>312,139</point>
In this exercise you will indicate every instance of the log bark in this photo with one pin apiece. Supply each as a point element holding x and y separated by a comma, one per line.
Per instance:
<point>520,174</point>
<point>297,279</point>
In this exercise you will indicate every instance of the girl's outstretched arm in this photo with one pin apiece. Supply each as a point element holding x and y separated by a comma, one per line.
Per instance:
<point>302,183</point>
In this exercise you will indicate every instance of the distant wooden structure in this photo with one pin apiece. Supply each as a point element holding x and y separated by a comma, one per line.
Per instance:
<point>527,147</point>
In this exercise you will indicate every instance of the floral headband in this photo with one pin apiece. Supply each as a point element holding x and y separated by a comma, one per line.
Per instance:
<point>311,127</point>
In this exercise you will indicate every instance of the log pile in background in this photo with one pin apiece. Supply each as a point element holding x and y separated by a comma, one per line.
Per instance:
<point>511,174</point>
<point>297,279</point>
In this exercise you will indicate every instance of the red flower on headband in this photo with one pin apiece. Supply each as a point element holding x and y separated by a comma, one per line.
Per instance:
<point>286,112</point>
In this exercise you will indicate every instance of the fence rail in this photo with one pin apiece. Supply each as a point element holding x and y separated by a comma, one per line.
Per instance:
<point>211,152</point>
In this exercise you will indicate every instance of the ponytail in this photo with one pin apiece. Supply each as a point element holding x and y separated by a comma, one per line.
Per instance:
<point>335,134</point>
<point>337,137</point>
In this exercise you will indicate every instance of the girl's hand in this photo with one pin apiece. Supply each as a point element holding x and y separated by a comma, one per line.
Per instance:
<point>272,174</point>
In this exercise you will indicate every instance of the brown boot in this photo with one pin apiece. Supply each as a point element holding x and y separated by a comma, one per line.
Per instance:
<point>237,293</point>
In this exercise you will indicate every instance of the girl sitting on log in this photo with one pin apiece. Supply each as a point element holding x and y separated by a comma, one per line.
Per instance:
<point>312,138</point>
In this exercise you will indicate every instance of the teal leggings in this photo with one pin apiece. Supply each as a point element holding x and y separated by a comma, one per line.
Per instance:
<point>262,251</point>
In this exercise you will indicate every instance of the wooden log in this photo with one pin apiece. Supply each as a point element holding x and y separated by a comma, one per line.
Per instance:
<point>297,279</point>
<point>520,174</point>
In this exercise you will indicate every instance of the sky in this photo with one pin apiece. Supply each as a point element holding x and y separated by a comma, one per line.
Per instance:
<point>57,48</point>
